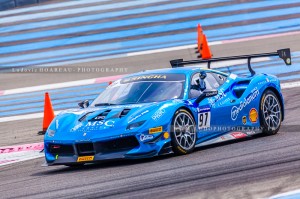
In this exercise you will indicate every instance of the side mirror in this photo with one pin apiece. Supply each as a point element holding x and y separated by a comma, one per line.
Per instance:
<point>206,94</point>
<point>84,104</point>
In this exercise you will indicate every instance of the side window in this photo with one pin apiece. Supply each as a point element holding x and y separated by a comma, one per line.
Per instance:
<point>220,78</point>
<point>211,81</point>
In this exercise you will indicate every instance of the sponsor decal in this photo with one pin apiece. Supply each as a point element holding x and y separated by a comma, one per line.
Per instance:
<point>202,109</point>
<point>250,132</point>
<point>238,135</point>
<point>166,135</point>
<point>92,125</point>
<point>253,115</point>
<point>145,77</point>
<point>108,123</point>
<point>244,119</point>
<point>224,102</point>
<point>75,128</point>
<point>158,114</point>
<point>56,124</point>
<point>144,137</point>
<point>204,116</point>
<point>213,100</point>
<point>139,115</point>
<point>85,158</point>
<point>211,93</point>
<point>181,149</point>
<point>158,129</point>
<point>243,103</point>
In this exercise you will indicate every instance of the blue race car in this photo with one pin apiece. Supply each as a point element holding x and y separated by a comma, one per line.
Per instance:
<point>166,111</point>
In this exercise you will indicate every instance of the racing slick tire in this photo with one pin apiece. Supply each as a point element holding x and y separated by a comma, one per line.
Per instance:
<point>270,113</point>
<point>183,132</point>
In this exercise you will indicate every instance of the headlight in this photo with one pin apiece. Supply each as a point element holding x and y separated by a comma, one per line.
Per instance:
<point>51,132</point>
<point>135,125</point>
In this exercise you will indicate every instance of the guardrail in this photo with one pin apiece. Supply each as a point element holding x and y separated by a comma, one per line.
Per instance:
<point>9,4</point>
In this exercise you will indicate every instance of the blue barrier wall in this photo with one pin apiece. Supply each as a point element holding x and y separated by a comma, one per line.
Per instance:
<point>9,4</point>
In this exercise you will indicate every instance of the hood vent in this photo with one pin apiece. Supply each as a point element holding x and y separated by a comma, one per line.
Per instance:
<point>84,116</point>
<point>124,112</point>
<point>101,116</point>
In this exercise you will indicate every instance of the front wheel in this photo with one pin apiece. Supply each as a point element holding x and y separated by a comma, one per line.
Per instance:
<point>183,132</point>
<point>270,112</point>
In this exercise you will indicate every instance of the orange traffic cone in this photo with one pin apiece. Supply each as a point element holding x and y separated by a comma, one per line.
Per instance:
<point>199,38</point>
<point>206,54</point>
<point>48,114</point>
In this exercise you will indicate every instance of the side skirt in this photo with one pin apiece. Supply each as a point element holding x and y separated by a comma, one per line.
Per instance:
<point>232,135</point>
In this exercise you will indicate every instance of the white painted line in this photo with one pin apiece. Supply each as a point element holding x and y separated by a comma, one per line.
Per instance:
<point>10,158</point>
<point>168,49</point>
<point>290,85</point>
<point>161,50</point>
<point>60,85</point>
<point>49,86</point>
<point>25,117</point>
<point>146,52</point>
<point>48,6</point>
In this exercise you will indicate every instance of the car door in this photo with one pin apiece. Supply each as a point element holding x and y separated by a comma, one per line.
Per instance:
<point>213,112</point>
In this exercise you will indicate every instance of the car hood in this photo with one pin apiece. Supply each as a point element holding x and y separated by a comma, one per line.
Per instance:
<point>105,121</point>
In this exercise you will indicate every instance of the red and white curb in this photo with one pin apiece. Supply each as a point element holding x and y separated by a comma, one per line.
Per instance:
<point>14,154</point>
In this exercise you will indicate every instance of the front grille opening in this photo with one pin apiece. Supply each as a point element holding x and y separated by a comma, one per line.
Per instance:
<point>59,149</point>
<point>85,149</point>
<point>120,144</point>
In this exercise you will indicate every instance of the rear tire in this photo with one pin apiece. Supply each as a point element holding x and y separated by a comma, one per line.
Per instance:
<point>183,132</point>
<point>270,113</point>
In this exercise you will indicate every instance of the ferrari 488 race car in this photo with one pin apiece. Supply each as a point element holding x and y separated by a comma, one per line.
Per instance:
<point>164,111</point>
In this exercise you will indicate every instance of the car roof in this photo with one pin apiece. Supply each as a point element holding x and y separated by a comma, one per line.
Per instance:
<point>180,70</point>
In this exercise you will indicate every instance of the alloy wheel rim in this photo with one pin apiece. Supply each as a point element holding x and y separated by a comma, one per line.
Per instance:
<point>184,130</point>
<point>271,112</point>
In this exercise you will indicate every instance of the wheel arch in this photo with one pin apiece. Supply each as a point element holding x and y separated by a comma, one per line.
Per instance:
<point>279,98</point>
<point>188,110</point>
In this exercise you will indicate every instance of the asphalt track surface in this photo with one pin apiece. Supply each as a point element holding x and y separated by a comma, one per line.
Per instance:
<point>252,168</point>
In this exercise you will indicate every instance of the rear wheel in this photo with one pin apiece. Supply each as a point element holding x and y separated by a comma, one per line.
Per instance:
<point>270,113</point>
<point>183,132</point>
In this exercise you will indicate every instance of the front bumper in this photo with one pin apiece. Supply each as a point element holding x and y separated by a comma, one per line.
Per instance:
<point>68,153</point>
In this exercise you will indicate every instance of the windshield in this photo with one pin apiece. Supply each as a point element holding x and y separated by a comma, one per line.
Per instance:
<point>142,89</point>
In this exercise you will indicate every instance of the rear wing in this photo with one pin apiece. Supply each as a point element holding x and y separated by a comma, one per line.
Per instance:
<point>284,54</point>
